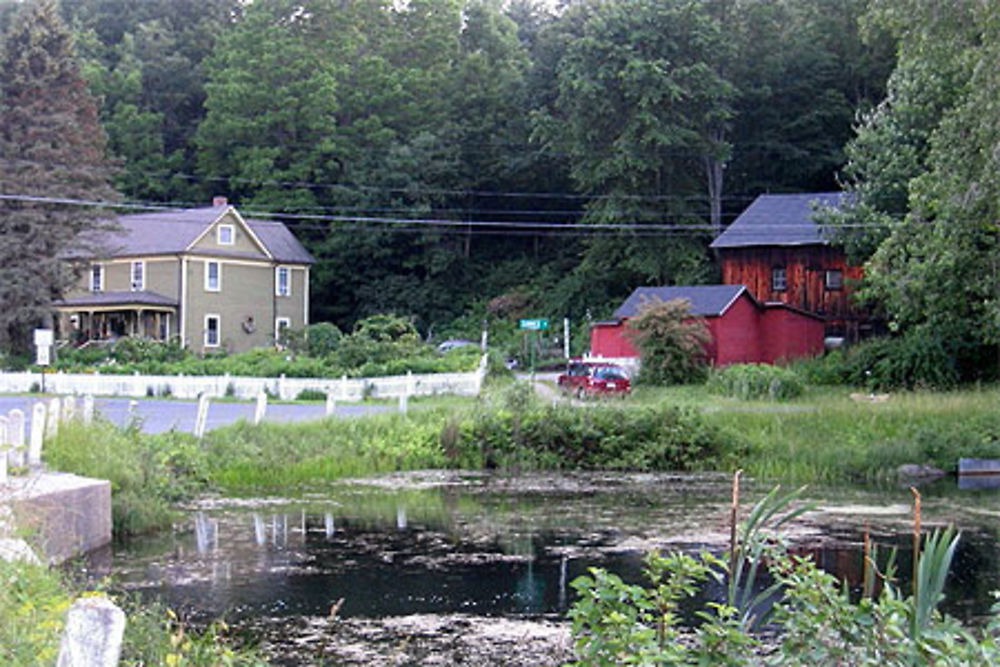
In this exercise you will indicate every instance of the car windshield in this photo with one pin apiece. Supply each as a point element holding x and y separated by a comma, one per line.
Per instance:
<point>610,373</point>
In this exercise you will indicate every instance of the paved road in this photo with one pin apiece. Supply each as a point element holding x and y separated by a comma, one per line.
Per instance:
<point>157,416</point>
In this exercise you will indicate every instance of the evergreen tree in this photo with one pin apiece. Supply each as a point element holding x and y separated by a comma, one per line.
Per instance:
<point>51,148</point>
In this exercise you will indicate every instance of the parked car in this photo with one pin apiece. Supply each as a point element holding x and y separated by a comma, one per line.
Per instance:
<point>453,343</point>
<point>584,378</point>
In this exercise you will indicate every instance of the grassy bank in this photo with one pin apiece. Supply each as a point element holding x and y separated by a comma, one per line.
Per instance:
<point>34,600</point>
<point>820,436</point>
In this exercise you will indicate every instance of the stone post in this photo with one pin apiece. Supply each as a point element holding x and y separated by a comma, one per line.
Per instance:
<point>201,416</point>
<point>52,417</point>
<point>93,634</point>
<point>69,408</point>
<point>38,428</point>
<point>261,408</point>
<point>15,436</point>
<point>4,439</point>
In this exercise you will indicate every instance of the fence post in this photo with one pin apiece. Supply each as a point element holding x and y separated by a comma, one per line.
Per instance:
<point>38,428</point>
<point>343,387</point>
<point>331,403</point>
<point>88,408</point>
<point>261,409</point>
<point>201,417</point>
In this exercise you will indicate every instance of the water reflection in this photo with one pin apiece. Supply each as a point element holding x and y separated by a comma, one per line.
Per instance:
<point>491,551</point>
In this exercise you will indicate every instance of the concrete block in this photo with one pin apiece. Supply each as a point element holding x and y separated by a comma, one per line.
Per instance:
<point>63,515</point>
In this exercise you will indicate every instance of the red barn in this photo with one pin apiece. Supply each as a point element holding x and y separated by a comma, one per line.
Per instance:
<point>779,252</point>
<point>743,329</point>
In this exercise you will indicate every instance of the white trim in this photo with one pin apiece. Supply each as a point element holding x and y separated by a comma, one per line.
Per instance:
<point>142,275</point>
<point>251,234</point>
<point>135,258</point>
<point>218,330</point>
<point>305,298</point>
<point>183,303</point>
<point>100,277</point>
<point>218,234</point>
<point>218,276</point>
<point>278,321</point>
<point>739,293</point>
<point>277,280</point>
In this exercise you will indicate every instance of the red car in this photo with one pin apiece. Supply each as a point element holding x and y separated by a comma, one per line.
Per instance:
<point>594,379</point>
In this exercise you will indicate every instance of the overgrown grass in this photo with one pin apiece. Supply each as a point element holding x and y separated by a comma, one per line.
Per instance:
<point>839,439</point>
<point>34,600</point>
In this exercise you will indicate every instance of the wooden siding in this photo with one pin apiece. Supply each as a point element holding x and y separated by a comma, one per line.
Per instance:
<point>805,268</point>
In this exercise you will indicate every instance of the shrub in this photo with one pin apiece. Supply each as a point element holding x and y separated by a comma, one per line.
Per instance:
<point>752,381</point>
<point>311,395</point>
<point>672,343</point>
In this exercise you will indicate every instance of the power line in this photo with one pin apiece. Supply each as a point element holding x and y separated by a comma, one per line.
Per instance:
<point>309,221</point>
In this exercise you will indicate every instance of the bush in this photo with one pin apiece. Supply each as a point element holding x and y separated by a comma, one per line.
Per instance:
<point>672,343</point>
<point>311,395</point>
<point>752,381</point>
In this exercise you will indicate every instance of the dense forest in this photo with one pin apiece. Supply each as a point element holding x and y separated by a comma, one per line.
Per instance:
<point>457,160</point>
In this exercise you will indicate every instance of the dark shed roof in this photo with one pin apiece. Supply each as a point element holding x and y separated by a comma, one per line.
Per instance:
<point>779,220</point>
<point>706,300</point>
<point>172,232</point>
<point>98,299</point>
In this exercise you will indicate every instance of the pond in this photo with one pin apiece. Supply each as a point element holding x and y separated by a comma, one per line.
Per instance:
<point>483,548</point>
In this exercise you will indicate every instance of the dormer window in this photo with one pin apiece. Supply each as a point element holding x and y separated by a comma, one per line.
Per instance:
<point>225,235</point>
<point>96,278</point>
<point>138,276</point>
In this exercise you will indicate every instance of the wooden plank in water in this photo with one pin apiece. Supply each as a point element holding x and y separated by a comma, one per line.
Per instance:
<point>978,467</point>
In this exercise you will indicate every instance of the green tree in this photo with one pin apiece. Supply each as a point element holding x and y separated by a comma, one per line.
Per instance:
<point>926,176</point>
<point>672,343</point>
<point>53,148</point>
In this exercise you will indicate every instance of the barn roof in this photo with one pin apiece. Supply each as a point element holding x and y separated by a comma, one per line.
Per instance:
<point>779,220</point>
<point>706,300</point>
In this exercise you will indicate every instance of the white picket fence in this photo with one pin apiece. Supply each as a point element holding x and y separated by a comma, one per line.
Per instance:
<point>187,386</point>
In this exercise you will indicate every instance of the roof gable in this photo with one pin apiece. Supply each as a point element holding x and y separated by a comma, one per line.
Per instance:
<point>780,220</point>
<point>244,241</point>
<point>706,300</point>
<point>172,232</point>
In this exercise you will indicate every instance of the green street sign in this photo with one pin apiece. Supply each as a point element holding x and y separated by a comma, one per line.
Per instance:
<point>533,325</point>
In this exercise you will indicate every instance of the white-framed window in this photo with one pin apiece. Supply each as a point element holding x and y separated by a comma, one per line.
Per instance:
<point>213,276</point>
<point>213,324</point>
<point>138,276</point>
<point>281,325</point>
<point>833,279</point>
<point>225,235</point>
<point>779,279</point>
<point>96,277</point>
<point>282,281</point>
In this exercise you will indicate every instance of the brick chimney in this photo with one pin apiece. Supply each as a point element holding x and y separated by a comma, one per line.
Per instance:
<point>219,201</point>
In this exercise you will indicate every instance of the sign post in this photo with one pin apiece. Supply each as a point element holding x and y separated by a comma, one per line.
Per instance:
<point>533,325</point>
<point>43,350</point>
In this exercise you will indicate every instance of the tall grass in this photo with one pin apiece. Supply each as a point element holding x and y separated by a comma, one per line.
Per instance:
<point>838,439</point>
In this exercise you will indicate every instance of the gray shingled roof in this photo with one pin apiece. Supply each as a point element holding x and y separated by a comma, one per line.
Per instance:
<point>104,299</point>
<point>779,220</point>
<point>171,232</point>
<point>706,300</point>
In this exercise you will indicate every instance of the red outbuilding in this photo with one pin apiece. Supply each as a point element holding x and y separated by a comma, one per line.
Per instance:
<point>743,330</point>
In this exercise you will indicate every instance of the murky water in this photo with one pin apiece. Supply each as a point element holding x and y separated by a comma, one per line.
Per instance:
<point>442,543</point>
